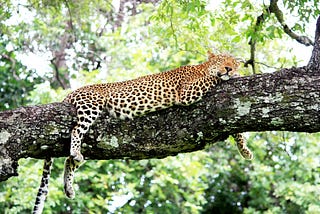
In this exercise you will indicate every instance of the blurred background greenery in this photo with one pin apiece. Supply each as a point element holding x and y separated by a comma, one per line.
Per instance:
<point>49,48</point>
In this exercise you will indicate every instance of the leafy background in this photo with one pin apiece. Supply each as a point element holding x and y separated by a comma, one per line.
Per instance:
<point>48,48</point>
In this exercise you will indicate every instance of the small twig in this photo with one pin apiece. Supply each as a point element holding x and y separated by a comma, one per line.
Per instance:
<point>249,62</point>
<point>13,65</point>
<point>70,24</point>
<point>172,28</point>
<point>56,72</point>
<point>253,40</point>
<point>268,66</point>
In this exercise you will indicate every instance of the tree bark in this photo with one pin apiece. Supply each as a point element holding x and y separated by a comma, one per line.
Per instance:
<point>288,99</point>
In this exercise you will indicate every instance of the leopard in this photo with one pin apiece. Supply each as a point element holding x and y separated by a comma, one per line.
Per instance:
<point>182,86</point>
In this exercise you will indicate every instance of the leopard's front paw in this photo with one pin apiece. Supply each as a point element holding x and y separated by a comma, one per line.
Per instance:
<point>246,154</point>
<point>68,177</point>
<point>68,190</point>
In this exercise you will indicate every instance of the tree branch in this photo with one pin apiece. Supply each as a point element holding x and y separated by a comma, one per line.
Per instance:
<point>279,15</point>
<point>272,8</point>
<point>314,63</point>
<point>284,100</point>
<point>253,40</point>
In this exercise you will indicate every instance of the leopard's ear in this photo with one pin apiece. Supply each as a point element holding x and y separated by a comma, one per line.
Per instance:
<point>210,54</point>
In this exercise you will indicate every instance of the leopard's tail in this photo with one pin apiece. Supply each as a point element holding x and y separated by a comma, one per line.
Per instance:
<point>43,189</point>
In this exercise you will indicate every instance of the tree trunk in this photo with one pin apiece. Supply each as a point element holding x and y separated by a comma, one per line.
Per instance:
<point>288,99</point>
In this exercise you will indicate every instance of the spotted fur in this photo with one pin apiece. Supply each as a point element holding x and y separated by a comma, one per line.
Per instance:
<point>242,146</point>
<point>182,86</point>
<point>43,189</point>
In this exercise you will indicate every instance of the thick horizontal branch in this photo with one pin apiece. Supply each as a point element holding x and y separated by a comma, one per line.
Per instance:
<point>284,100</point>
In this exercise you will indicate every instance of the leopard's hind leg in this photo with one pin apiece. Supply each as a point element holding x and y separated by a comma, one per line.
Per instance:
<point>243,149</point>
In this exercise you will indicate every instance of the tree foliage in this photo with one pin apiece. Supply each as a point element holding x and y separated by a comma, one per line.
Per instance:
<point>98,41</point>
<point>16,80</point>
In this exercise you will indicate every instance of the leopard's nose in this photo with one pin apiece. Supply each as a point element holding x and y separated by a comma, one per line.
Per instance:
<point>228,69</point>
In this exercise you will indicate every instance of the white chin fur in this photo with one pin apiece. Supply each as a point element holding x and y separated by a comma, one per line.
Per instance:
<point>225,77</point>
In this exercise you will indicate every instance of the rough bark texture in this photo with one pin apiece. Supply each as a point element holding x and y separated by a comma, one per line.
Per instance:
<point>285,100</point>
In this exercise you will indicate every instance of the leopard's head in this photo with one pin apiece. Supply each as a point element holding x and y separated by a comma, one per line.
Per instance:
<point>223,66</point>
